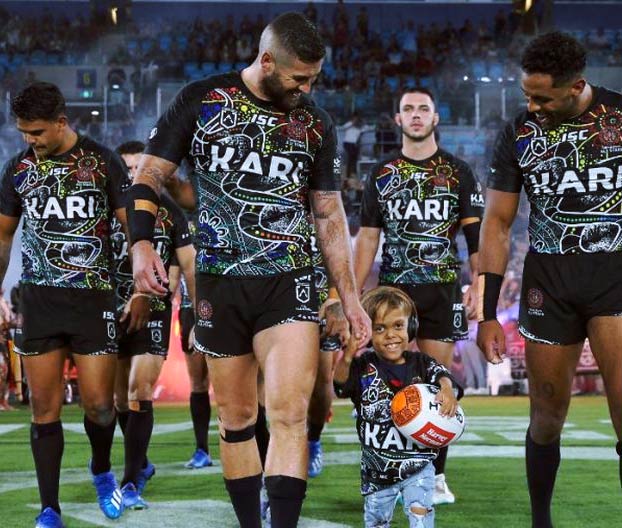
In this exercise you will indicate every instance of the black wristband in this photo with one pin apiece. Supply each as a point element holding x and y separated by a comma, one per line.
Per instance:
<point>471,235</point>
<point>489,290</point>
<point>142,210</point>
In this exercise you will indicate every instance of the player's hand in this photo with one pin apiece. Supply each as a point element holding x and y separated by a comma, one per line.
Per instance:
<point>360,323</point>
<point>138,309</point>
<point>336,321</point>
<point>469,299</point>
<point>491,341</point>
<point>149,273</point>
<point>448,401</point>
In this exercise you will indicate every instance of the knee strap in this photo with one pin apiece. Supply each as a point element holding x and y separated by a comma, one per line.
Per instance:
<point>235,437</point>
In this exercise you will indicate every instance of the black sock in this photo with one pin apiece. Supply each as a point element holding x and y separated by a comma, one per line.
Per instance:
<point>101,443</point>
<point>137,436</point>
<point>619,451</point>
<point>262,434</point>
<point>122,417</point>
<point>47,443</point>
<point>244,495</point>
<point>201,413</point>
<point>285,495</point>
<point>542,463</point>
<point>439,461</point>
<point>314,431</point>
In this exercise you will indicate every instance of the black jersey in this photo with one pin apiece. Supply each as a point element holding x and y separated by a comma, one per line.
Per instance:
<point>572,175</point>
<point>419,205</point>
<point>253,166</point>
<point>67,202</point>
<point>320,276</point>
<point>170,232</point>
<point>387,456</point>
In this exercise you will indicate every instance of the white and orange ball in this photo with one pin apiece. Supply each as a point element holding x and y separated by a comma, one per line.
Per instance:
<point>416,415</point>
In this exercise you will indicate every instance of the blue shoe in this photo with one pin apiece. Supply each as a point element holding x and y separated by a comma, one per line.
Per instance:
<point>132,499</point>
<point>48,518</point>
<point>108,494</point>
<point>199,459</point>
<point>145,474</point>
<point>316,461</point>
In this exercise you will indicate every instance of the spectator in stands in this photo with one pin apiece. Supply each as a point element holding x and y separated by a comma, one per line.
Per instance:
<point>352,130</point>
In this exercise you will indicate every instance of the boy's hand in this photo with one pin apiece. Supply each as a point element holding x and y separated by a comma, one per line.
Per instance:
<point>448,401</point>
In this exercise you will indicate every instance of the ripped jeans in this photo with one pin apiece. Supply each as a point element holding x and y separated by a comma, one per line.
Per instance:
<point>416,493</point>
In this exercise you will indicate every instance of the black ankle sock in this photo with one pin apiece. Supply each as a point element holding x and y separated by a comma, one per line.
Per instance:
<point>244,494</point>
<point>285,495</point>
<point>122,417</point>
<point>619,451</point>
<point>542,463</point>
<point>137,436</point>
<point>439,461</point>
<point>201,413</point>
<point>100,437</point>
<point>47,444</point>
<point>262,434</point>
<point>314,431</point>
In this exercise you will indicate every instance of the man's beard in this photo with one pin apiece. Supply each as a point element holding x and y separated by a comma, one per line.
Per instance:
<point>420,138</point>
<point>281,98</point>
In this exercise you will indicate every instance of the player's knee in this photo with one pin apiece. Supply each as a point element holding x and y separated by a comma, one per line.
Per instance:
<point>44,409</point>
<point>236,436</point>
<point>140,391</point>
<point>99,413</point>
<point>546,425</point>
<point>289,417</point>
<point>237,417</point>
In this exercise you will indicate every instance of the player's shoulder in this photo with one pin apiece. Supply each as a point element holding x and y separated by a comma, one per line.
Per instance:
<point>452,159</point>
<point>24,157</point>
<point>310,105</point>
<point>90,146</point>
<point>605,96</point>
<point>390,161</point>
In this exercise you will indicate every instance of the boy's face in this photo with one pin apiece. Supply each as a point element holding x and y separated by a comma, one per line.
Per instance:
<point>390,334</point>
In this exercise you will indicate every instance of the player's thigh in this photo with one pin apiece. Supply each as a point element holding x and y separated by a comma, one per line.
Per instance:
<point>44,373</point>
<point>144,373</point>
<point>288,354</point>
<point>550,370</point>
<point>234,380</point>
<point>441,351</point>
<point>96,375</point>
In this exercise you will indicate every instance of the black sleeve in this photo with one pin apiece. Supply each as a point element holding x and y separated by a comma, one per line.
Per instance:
<point>435,371</point>
<point>10,201</point>
<point>326,172</point>
<point>505,172</point>
<point>118,181</point>
<point>181,233</point>
<point>371,215</point>
<point>470,199</point>
<point>351,387</point>
<point>171,137</point>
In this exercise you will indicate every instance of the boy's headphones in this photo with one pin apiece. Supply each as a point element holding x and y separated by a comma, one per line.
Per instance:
<point>383,294</point>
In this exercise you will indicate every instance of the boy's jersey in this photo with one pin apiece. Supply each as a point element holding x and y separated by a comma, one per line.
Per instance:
<point>67,203</point>
<point>387,456</point>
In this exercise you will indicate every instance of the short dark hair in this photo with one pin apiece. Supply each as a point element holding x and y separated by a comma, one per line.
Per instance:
<point>557,54</point>
<point>39,100</point>
<point>130,147</point>
<point>298,36</point>
<point>418,89</point>
<point>387,297</point>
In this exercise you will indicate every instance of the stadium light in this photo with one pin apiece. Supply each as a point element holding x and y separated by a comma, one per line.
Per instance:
<point>94,112</point>
<point>485,79</point>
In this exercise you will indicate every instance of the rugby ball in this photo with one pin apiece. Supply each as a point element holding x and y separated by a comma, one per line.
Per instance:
<point>416,415</point>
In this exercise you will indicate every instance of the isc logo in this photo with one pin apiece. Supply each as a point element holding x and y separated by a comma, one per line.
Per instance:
<point>574,135</point>
<point>261,119</point>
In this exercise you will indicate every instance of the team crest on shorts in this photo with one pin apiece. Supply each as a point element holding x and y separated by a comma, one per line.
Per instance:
<point>112,330</point>
<point>303,289</point>
<point>535,301</point>
<point>458,320</point>
<point>204,313</point>
<point>156,335</point>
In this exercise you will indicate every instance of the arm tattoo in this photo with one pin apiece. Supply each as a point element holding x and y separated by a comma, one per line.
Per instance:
<point>152,176</point>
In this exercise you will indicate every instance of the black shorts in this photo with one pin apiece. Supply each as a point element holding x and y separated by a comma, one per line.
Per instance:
<point>561,293</point>
<point>153,339</point>
<point>231,310</point>
<point>186,322</point>
<point>442,316</point>
<point>81,319</point>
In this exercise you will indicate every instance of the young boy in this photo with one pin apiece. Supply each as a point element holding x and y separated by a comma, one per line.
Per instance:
<point>391,463</point>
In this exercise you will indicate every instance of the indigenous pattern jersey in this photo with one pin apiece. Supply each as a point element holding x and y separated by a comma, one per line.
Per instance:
<point>185,301</point>
<point>387,456</point>
<point>419,205</point>
<point>67,202</point>
<point>253,166</point>
<point>572,175</point>
<point>170,232</point>
<point>319,271</point>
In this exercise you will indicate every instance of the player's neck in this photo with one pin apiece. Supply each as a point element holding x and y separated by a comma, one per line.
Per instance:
<point>585,100</point>
<point>419,150</point>
<point>250,77</point>
<point>69,140</point>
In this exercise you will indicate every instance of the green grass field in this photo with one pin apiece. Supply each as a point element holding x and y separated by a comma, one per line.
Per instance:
<point>486,472</point>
